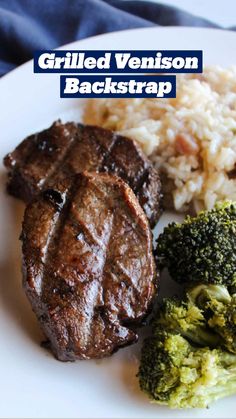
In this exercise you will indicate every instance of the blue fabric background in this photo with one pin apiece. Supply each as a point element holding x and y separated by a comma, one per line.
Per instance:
<point>26,25</point>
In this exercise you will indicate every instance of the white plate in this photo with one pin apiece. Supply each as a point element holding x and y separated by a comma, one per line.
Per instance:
<point>33,383</point>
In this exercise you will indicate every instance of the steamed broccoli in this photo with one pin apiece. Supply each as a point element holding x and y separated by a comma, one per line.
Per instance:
<point>187,319</point>
<point>219,309</point>
<point>202,248</point>
<point>175,373</point>
<point>203,293</point>
<point>205,316</point>
<point>186,363</point>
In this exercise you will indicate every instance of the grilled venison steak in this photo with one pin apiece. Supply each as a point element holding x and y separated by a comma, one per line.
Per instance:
<point>43,159</point>
<point>89,271</point>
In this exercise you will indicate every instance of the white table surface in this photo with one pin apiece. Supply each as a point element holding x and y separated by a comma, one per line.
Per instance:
<point>221,12</point>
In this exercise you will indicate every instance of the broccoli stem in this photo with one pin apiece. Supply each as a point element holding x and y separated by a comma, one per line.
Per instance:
<point>202,293</point>
<point>200,336</point>
<point>221,390</point>
<point>186,319</point>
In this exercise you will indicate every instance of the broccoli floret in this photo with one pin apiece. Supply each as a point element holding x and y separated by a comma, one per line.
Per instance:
<point>202,248</point>
<point>177,374</point>
<point>184,363</point>
<point>187,319</point>
<point>219,309</point>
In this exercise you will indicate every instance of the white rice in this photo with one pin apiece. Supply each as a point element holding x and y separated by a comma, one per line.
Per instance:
<point>191,139</point>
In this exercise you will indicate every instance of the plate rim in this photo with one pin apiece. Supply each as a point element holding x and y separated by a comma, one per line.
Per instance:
<point>15,75</point>
<point>107,34</point>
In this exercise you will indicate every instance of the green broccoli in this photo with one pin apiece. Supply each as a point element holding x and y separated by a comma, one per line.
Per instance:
<point>219,309</point>
<point>202,248</point>
<point>187,319</point>
<point>175,373</point>
<point>201,294</point>
<point>186,363</point>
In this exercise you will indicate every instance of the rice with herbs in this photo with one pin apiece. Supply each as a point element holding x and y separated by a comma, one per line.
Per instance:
<point>190,139</point>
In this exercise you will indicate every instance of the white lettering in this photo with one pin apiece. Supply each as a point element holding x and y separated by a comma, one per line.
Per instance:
<point>104,62</point>
<point>90,63</point>
<point>72,85</point>
<point>46,60</point>
<point>164,88</point>
<point>85,87</point>
<point>134,63</point>
<point>121,60</point>
<point>98,87</point>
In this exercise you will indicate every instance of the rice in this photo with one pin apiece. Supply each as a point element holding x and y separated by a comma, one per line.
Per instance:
<point>190,139</point>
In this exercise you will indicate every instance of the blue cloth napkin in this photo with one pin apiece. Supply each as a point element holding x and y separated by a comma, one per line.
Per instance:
<point>27,25</point>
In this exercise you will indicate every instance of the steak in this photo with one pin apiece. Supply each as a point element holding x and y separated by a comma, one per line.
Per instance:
<point>46,158</point>
<point>88,266</point>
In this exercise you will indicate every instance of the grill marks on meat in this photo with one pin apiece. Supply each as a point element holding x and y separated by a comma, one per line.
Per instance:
<point>44,159</point>
<point>37,159</point>
<point>89,271</point>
